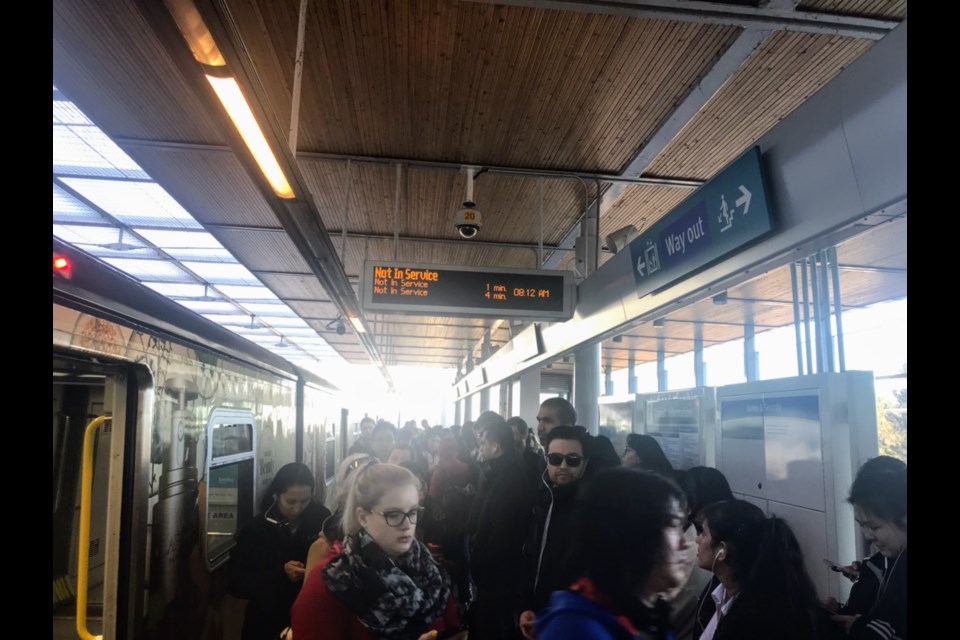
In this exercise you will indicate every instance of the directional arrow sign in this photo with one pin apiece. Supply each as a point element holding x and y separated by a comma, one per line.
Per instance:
<point>723,215</point>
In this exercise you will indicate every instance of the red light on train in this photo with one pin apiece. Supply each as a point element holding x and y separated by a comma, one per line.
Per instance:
<point>62,266</point>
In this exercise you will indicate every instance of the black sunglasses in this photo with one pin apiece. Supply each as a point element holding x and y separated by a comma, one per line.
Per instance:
<point>556,459</point>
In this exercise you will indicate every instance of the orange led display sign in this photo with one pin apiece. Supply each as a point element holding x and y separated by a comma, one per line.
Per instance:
<point>450,290</point>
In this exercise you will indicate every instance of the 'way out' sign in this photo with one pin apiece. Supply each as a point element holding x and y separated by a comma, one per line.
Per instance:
<point>718,218</point>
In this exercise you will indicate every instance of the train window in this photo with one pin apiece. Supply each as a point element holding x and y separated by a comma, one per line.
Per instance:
<point>230,481</point>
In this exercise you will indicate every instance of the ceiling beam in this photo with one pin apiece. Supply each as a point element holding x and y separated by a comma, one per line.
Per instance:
<point>773,16</point>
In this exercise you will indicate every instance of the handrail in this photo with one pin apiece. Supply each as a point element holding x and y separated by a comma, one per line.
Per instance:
<point>83,551</point>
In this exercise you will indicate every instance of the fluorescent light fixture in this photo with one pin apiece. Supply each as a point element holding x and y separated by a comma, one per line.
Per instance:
<point>205,51</point>
<point>357,323</point>
<point>239,111</point>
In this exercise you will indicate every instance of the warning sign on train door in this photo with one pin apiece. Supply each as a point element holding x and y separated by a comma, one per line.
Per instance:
<point>720,217</point>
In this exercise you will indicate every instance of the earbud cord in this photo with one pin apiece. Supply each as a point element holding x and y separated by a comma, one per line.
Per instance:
<point>888,575</point>
<point>713,570</point>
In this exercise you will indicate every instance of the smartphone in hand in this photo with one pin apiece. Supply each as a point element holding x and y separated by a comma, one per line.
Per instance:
<point>833,565</point>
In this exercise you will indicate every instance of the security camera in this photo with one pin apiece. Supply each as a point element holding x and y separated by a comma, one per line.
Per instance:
<point>467,220</point>
<point>341,328</point>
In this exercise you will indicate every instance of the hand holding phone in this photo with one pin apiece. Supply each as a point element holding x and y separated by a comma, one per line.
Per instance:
<point>852,571</point>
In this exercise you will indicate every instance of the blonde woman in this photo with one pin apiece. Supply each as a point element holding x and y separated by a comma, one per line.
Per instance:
<point>384,583</point>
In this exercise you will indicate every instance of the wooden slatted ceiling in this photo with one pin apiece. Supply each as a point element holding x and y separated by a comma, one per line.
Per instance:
<point>154,102</point>
<point>786,69</point>
<point>883,9</point>
<point>884,246</point>
<point>510,204</point>
<point>477,82</point>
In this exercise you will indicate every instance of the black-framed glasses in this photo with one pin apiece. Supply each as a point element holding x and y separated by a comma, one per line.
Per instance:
<point>556,459</point>
<point>395,518</point>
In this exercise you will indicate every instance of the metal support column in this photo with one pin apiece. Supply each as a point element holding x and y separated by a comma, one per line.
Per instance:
<point>815,297</point>
<point>631,373</point>
<point>808,344</point>
<point>798,340</point>
<point>484,354</point>
<point>586,386</point>
<point>751,361</point>
<point>607,382</point>
<point>529,403</point>
<point>699,367</point>
<point>468,399</point>
<point>837,306</point>
<point>824,311</point>
<point>661,368</point>
<point>458,406</point>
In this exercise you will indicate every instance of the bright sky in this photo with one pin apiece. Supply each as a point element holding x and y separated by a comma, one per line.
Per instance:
<point>875,339</point>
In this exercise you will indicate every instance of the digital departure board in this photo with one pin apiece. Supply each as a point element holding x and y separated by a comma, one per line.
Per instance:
<point>449,290</point>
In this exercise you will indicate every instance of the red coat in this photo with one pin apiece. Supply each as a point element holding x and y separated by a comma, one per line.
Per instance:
<point>318,615</point>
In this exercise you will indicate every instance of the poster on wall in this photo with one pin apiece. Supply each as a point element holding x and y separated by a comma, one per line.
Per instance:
<point>675,424</point>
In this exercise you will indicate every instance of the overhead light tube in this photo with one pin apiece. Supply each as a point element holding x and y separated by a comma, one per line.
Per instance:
<point>207,53</point>
<point>358,324</point>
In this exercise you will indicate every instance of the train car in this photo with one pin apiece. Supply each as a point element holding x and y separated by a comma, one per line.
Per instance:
<point>167,430</point>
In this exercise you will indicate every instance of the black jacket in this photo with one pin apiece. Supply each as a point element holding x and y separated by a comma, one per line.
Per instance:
<point>554,573</point>
<point>498,524</point>
<point>882,605</point>
<point>255,571</point>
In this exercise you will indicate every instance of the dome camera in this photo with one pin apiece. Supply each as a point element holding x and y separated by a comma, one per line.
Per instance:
<point>467,221</point>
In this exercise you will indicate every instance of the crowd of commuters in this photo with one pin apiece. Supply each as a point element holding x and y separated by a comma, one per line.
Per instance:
<point>496,530</point>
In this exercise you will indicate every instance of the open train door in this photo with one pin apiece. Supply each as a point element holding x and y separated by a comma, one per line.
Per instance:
<point>91,583</point>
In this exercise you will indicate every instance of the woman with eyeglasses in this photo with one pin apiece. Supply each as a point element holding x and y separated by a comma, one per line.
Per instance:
<point>267,564</point>
<point>384,583</point>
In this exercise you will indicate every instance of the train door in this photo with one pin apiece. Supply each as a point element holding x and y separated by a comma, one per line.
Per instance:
<point>89,415</point>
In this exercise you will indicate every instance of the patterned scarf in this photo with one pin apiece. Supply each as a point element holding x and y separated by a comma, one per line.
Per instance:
<point>394,598</point>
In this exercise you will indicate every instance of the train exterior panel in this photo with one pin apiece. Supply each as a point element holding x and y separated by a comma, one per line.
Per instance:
<point>193,440</point>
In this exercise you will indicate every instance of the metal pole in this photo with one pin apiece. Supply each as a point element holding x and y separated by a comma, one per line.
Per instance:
<point>631,373</point>
<point>825,304</point>
<point>796,317</point>
<point>699,371</point>
<point>837,306</point>
<point>661,367</point>
<point>806,315</point>
<point>749,353</point>
<point>815,294</point>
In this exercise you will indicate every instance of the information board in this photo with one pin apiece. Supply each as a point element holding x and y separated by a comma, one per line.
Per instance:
<point>450,290</point>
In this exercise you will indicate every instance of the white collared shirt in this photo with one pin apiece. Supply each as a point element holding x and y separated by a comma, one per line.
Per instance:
<point>723,604</point>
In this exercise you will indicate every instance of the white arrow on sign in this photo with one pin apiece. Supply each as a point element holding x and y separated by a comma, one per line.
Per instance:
<point>641,265</point>
<point>744,199</point>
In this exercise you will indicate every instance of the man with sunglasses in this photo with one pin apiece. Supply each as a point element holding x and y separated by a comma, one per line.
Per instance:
<point>546,542</point>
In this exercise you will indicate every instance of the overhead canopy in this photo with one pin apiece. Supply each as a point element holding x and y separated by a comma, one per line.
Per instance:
<point>557,103</point>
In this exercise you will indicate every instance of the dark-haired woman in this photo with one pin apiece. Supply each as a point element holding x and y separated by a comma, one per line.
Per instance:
<point>764,589</point>
<point>877,609</point>
<point>267,565</point>
<point>643,452</point>
<point>627,548</point>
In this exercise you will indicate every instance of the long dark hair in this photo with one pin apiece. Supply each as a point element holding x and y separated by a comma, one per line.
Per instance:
<point>290,475</point>
<point>617,536</point>
<point>767,563</point>
<point>651,455</point>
